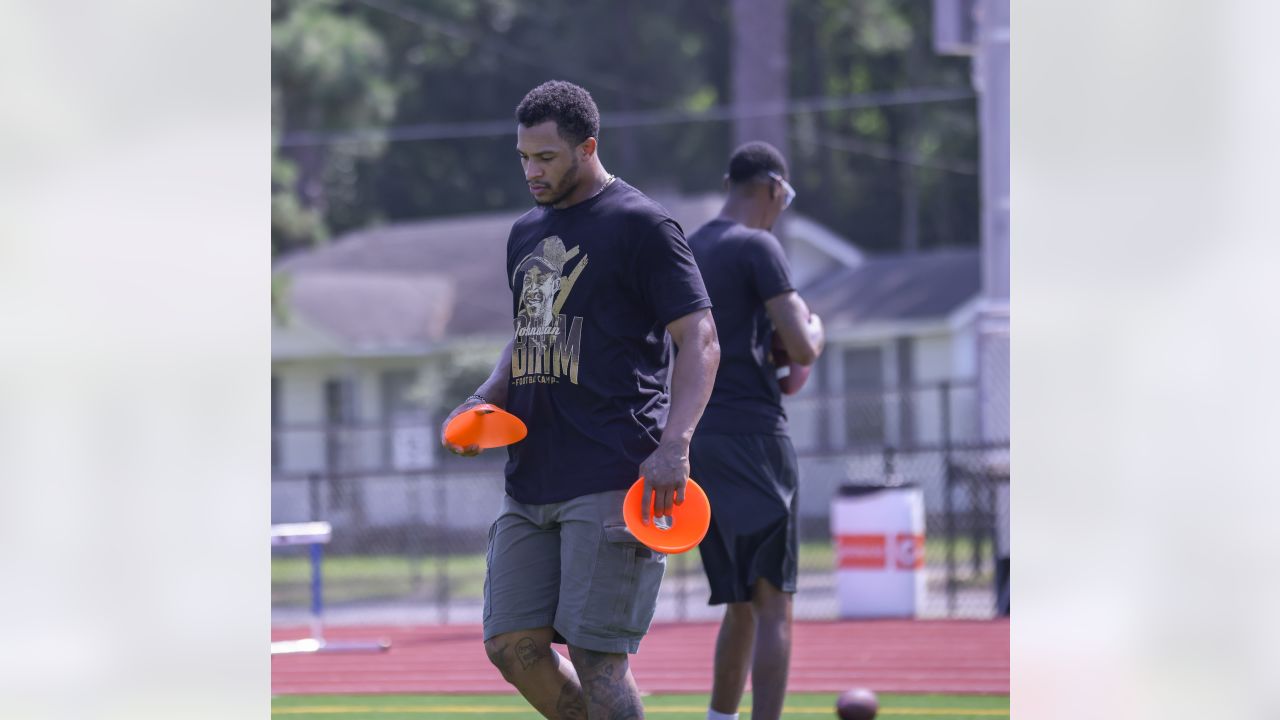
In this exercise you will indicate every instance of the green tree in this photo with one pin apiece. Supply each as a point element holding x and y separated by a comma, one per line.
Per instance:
<point>893,177</point>
<point>888,177</point>
<point>464,60</point>
<point>293,225</point>
<point>329,71</point>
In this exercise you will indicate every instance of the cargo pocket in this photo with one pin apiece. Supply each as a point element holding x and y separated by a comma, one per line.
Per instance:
<point>625,587</point>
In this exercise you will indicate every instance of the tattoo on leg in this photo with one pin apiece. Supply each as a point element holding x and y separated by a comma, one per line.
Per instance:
<point>570,706</point>
<point>607,686</point>
<point>527,653</point>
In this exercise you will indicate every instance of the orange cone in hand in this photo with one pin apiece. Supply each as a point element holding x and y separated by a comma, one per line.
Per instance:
<point>689,520</point>
<point>486,426</point>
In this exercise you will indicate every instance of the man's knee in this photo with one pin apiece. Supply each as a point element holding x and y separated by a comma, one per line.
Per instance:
<point>516,652</point>
<point>740,611</point>
<point>769,602</point>
<point>498,648</point>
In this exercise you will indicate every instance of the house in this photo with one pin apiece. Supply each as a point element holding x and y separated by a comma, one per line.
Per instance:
<point>898,329</point>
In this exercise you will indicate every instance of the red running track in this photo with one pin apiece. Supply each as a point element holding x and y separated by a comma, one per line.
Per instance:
<point>885,655</point>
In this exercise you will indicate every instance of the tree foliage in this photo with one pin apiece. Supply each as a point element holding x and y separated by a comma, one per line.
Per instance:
<point>329,69</point>
<point>886,177</point>
<point>873,173</point>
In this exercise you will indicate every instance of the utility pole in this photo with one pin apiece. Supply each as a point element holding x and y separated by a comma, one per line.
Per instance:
<point>991,76</point>
<point>980,30</point>
<point>760,72</point>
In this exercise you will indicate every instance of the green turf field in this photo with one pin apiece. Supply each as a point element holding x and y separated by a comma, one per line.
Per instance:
<point>660,707</point>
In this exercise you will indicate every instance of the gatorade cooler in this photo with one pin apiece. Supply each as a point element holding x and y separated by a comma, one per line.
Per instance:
<point>879,542</point>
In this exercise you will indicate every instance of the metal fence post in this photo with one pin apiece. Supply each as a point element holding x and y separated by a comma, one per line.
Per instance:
<point>977,518</point>
<point>682,589</point>
<point>442,551</point>
<point>415,550</point>
<point>313,497</point>
<point>948,501</point>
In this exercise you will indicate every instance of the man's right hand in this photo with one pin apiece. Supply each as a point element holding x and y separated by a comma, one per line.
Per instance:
<point>470,450</point>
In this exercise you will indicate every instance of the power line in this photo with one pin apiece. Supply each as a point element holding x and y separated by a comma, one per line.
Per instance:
<point>884,152</point>
<point>635,118</point>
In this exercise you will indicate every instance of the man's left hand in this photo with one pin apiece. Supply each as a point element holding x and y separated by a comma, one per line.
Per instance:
<point>665,473</point>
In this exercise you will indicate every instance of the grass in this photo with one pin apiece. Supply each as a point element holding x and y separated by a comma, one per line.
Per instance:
<point>354,578</point>
<point>368,577</point>
<point>820,555</point>
<point>660,707</point>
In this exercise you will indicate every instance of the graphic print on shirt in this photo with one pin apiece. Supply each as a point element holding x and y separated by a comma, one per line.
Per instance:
<point>547,344</point>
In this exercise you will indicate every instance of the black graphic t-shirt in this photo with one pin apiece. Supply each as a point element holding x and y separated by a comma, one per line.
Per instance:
<point>593,287</point>
<point>742,268</point>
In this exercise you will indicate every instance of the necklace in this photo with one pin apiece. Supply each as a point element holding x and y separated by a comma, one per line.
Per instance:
<point>608,181</point>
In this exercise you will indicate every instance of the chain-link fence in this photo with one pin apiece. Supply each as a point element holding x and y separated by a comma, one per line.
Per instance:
<point>410,523</point>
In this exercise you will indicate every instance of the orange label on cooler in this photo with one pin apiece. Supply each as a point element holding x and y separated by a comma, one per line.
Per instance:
<point>860,551</point>
<point>909,551</point>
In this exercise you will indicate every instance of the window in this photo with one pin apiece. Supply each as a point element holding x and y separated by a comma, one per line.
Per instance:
<point>339,442</point>
<point>339,413</point>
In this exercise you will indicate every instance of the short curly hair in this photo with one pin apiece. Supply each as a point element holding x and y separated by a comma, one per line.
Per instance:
<point>753,159</point>
<point>569,105</point>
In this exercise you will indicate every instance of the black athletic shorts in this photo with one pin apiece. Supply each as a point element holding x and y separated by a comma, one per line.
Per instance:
<point>751,481</point>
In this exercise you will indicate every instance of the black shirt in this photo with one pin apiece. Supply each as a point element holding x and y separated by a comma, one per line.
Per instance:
<point>593,287</point>
<point>742,268</point>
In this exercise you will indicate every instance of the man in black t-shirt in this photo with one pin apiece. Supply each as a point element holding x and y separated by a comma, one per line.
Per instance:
<point>741,454</point>
<point>600,275</point>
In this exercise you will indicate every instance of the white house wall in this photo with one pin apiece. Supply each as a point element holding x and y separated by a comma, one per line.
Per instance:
<point>964,349</point>
<point>804,410</point>
<point>934,361</point>
<point>932,365</point>
<point>965,360</point>
<point>463,500</point>
<point>382,499</point>
<point>301,403</point>
<point>807,410</point>
<point>802,419</point>
<point>893,386</point>
<point>291,503</point>
<point>942,352</point>
<point>942,358</point>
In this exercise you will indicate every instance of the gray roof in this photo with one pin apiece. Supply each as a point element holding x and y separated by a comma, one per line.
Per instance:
<point>406,284</point>
<point>412,284</point>
<point>377,310</point>
<point>897,287</point>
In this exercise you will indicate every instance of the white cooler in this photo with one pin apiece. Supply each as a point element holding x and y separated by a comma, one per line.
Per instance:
<point>879,549</point>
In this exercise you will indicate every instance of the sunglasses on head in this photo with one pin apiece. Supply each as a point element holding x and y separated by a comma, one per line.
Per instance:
<point>790,192</point>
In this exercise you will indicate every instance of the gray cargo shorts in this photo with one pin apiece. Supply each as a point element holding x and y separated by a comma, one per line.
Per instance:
<point>572,566</point>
